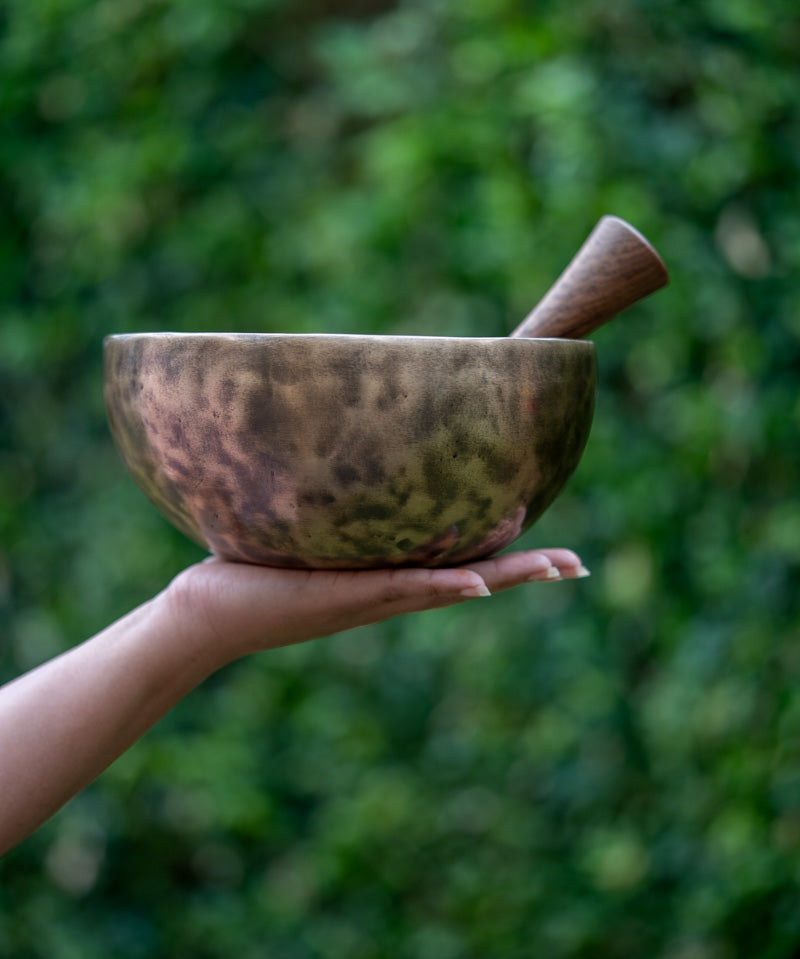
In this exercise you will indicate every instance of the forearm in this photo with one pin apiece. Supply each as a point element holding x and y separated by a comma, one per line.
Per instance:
<point>66,721</point>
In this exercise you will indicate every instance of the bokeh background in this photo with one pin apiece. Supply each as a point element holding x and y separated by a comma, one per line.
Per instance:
<point>605,769</point>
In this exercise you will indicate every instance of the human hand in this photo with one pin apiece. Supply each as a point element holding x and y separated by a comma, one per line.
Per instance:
<point>239,608</point>
<point>64,722</point>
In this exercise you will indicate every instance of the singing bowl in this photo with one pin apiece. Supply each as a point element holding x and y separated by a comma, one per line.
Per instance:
<point>349,451</point>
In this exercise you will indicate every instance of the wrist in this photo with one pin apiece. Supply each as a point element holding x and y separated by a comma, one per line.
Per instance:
<point>184,611</point>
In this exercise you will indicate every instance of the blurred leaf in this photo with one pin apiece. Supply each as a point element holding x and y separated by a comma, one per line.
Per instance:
<point>607,768</point>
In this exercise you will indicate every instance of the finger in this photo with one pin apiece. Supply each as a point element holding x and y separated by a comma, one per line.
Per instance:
<point>381,594</point>
<point>513,569</point>
<point>567,562</point>
<point>345,600</point>
<point>417,586</point>
<point>564,559</point>
<point>414,590</point>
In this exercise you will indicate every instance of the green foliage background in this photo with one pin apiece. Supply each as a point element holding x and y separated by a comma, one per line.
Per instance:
<point>609,768</point>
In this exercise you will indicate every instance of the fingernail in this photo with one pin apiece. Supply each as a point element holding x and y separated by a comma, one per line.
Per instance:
<point>473,592</point>
<point>548,576</point>
<point>582,572</point>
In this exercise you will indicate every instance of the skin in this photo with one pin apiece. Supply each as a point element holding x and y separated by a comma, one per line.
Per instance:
<point>64,722</point>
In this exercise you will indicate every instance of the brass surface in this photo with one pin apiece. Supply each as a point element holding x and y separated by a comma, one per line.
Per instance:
<point>341,451</point>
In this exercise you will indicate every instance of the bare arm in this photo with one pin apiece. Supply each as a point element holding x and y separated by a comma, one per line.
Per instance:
<point>64,722</point>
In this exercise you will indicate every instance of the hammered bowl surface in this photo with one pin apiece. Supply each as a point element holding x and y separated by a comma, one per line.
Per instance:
<point>347,451</point>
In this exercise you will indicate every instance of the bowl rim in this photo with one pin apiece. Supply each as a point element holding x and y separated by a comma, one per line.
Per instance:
<point>389,338</point>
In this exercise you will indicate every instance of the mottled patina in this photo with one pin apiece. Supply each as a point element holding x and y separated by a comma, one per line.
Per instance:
<point>348,452</point>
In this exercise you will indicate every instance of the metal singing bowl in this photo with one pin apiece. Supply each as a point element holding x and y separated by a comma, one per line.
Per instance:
<point>354,452</point>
